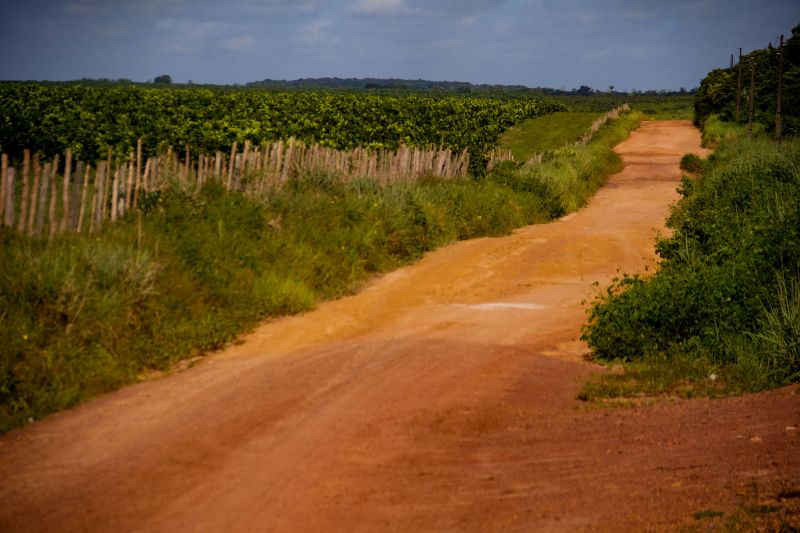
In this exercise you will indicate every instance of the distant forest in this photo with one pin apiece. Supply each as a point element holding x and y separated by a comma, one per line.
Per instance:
<point>383,84</point>
<point>427,85</point>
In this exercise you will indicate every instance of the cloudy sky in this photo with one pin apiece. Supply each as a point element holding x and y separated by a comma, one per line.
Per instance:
<point>631,44</point>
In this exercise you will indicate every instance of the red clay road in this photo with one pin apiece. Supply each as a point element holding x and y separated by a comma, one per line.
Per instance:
<point>440,398</point>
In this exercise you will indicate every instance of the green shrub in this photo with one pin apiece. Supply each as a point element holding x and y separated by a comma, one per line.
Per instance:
<point>727,283</point>
<point>692,164</point>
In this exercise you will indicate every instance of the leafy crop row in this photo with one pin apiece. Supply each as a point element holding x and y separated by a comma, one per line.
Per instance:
<point>90,118</point>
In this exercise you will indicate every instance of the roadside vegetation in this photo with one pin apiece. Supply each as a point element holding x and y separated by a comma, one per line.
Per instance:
<point>548,132</point>
<point>82,315</point>
<point>722,313</point>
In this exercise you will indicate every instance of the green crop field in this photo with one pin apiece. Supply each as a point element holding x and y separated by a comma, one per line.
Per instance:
<point>88,119</point>
<point>547,132</point>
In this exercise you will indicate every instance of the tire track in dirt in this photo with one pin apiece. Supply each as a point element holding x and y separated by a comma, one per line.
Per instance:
<point>442,397</point>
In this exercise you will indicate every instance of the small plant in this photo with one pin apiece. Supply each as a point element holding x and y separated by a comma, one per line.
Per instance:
<point>692,164</point>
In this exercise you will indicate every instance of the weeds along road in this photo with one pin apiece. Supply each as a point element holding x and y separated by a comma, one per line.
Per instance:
<point>441,398</point>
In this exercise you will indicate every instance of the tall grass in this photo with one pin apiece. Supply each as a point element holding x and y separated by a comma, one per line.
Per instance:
<point>717,131</point>
<point>83,315</point>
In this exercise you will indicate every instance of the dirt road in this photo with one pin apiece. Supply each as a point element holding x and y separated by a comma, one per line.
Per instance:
<point>441,398</point>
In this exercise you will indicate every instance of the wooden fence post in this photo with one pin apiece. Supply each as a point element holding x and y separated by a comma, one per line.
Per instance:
<point>186,167</point>
<point>129,184</point>
<point>34,193</point>
<point>115,194</point>
<point>9,197</point>
<point>138,171</point>
<point>66,192</point>
<point>97,196</point>
<point>51,217</point>
<point>42,207</point>
<point>230,166</point>
<point>26,166</point>
<point>145,178</point>
<point>245,155</point>
<point>84,192</point>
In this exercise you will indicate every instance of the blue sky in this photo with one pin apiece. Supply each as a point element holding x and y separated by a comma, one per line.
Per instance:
<point>630,44</point>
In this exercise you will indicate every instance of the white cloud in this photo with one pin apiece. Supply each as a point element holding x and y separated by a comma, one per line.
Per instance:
<point>377,7</point>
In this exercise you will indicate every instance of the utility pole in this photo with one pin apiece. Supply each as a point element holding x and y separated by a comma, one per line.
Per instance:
<point>739,86</point>
<point>780,89</point>
<point>751,98</point>
<point>731,61</point>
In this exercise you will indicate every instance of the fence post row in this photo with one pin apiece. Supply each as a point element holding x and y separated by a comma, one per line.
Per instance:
<point>92,195</point>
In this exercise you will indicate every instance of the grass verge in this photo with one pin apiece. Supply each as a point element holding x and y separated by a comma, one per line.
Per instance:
<point>547,132</point>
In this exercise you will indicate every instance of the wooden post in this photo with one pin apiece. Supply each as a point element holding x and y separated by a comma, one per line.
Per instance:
<point>739,86</point>
<point>26,167</point>
<point>34,194</point>
<point>129,184</point>
<point>98,199</point>
<point>75,195</point>
<point>42,207</point>
<point>218,165</point>
<point>186,162</point>
<point>288,161</point>
<point>3,177</point>
<point>95,194</point>
<point>230,166</point>
<point>752,100</point>
<point>150,183</point>
<point>9,197</point>
<point>145,179</point>
<point>138,179</point>
<point>278,156</point>
<point>115,194</point>
<point>51,218</point>
<point>245,155</point>
<point>66,192</point>
<point>138,185</point>
<point>778,117</point>
<point>201,171</point>
<point>84,191</point>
